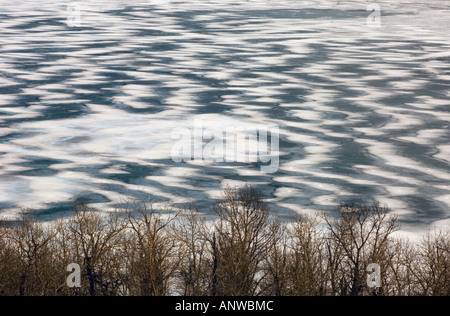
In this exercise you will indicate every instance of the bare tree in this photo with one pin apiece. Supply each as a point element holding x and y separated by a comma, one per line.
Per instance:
<point>194,273</point>
<point>307,265</point>
<point>29,255</point>
<point>9,261</point>
<point>276,281</point>
<point>433,272</point>
<point>95,241</point>
<point>399,278</point>
<point>152,252</point>
<point>240,240</point>
<point>359,236</point>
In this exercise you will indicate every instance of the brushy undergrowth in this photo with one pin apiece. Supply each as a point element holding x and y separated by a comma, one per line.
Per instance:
<point>246,251</point>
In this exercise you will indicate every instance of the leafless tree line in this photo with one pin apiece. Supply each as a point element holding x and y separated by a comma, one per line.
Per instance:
<point>143,251</point>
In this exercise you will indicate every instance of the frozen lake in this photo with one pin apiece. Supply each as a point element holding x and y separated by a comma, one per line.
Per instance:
<point>91,92</point>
